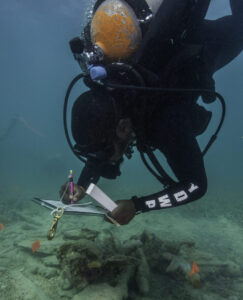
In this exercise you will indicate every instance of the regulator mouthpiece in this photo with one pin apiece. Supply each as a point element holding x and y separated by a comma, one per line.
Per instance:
<point>97,73</point>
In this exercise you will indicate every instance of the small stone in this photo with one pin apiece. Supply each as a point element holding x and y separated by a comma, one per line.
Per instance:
<point>50,273</point>
<point>34,270</point>
<point>71,235</point>
<point>66,284</point>
<point>100,292</point>
<point>51,261</point>
<point>89,234</point>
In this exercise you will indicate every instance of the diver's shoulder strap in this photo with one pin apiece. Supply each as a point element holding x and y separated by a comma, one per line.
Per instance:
<point>162,177</point>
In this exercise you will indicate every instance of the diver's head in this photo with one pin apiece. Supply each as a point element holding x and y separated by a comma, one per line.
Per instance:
<point>99,129</point>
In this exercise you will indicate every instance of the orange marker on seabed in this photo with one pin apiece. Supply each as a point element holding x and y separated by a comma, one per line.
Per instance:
<point>2,227</point>
<point>194,275</point>
<point>35,245</point>
<point>194,268</point>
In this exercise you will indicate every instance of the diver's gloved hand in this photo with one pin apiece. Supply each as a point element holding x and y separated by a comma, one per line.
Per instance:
<point>65,193</point>
<point>124,212</point>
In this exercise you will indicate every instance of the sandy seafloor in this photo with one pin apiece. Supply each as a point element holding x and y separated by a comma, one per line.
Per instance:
<point>25,275</point>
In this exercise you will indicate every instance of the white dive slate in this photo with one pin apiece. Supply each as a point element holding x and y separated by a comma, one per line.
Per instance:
<point>97,194</point>
<point>73,209</point>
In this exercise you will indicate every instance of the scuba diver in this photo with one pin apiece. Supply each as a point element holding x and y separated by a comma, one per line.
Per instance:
<point>146,64</point>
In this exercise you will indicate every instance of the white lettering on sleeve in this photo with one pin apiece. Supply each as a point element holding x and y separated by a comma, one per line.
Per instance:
<point>192,188</point>
<point>150,203</point>
<point>180,196</point>
<point>164,201</point>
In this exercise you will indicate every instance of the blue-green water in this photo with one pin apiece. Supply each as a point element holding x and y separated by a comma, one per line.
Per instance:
<point>36,66</point>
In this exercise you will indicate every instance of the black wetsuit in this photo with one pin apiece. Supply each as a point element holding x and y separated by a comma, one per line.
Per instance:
<point>173,130</point>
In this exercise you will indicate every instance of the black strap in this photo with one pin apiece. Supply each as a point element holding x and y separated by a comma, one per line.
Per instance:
<point>163,177</point>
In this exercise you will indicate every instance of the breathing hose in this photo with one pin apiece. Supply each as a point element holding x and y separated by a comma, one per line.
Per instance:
<point>145,89</point>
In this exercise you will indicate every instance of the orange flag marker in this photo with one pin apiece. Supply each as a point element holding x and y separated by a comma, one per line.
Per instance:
<point>2,227</point>
<point>35,245</point>
<point>194,268</point>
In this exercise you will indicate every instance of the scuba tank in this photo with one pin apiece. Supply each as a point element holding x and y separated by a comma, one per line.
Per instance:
<point>120,30</point>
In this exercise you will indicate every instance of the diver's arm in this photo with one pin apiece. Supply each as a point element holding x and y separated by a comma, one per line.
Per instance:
<point>178,194</point>
<point>222,38</point>
<point>93,170</point>
<point>180,147</point>
<point>236,7</point>
<point>88,175</point>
